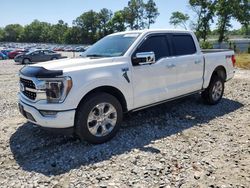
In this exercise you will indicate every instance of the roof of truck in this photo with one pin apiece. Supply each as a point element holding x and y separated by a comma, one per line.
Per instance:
<point>153,31</point>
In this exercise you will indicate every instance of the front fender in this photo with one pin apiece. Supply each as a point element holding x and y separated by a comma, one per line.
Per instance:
<point>83,90</point>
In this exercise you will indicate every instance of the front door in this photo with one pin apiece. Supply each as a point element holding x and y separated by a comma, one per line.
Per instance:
<point>155,82</point>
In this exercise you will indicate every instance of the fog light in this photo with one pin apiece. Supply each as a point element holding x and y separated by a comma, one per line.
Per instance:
<point>48,113</point>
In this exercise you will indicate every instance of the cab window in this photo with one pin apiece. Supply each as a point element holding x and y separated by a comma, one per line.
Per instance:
<point>156,44</point>
<point>183,44</point>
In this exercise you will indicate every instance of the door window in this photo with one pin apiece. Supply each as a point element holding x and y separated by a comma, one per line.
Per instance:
<point>48,52</point>
<point>156,44</point>
<point>183,44</point>
<point>35,53</point>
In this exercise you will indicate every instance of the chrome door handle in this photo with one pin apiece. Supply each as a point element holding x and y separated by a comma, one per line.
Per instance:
<point>170,66</point>
<point>197,62</point>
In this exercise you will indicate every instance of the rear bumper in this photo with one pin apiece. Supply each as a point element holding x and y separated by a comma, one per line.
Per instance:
<point>61,120</point>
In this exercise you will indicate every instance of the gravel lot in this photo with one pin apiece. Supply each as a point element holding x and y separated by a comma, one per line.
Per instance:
<point>179,144</point>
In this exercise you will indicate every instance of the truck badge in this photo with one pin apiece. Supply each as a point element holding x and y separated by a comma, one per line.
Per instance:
<point>125,74</point>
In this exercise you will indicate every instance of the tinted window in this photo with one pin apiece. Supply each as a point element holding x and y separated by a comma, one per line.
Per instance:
<point>183,44</point>
<point>36,53</point>
<point>156,44</point>
<point>48,52</point>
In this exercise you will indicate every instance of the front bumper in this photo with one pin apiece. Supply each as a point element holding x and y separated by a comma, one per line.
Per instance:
<point>62,119</point>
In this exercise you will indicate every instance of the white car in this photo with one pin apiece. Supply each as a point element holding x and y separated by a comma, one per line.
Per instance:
<point>122,72</point>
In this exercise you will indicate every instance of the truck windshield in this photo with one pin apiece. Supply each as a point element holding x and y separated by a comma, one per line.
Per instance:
<point>111,46</point>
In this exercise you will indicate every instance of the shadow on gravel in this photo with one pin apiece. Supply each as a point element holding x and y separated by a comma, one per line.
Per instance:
<point>42,152</point>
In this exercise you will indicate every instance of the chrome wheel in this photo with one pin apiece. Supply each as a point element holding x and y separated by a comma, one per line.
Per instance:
<point>217,91</point>
<point>102,119</point>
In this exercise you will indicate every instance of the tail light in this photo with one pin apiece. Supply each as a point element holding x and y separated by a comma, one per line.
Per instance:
<point>233,60</point>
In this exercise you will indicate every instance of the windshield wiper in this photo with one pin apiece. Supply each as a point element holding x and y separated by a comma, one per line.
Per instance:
<point>95,55</point>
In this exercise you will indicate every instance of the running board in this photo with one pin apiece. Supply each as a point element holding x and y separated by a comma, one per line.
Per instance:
<point>168,100</point>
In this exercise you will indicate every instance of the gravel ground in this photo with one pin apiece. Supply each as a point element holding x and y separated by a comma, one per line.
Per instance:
<point>179,144</point>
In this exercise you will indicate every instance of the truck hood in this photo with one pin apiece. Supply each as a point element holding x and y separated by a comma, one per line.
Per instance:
<point>68,65</point>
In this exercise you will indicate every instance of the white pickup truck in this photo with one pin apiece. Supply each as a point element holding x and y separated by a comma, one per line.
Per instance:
<point>122,72</point>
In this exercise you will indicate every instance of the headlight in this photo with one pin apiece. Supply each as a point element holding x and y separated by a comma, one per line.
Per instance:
<point>56,89</point>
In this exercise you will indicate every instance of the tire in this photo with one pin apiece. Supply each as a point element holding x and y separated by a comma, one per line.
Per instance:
<point>26,61</point>
<point>53,58</point>
<point>213,94</point>
<point>93,127</point>
<point>1,58</point>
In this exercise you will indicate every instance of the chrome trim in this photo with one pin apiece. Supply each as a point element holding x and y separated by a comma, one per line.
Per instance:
<point>39,85</point>
<point>34,90</point>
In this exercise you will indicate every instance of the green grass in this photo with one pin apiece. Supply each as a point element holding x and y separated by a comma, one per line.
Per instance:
<point>243,61</point>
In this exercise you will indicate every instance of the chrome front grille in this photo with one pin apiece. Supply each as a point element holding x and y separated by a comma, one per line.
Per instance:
<point>28,88</point>
<point>32,89</point>
<point>27,83</point>
<point>30,95</point>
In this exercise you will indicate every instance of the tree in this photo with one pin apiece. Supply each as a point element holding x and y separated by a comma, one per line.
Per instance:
<point>225,10</point>
<point>58,31</point>
<point>151,12</point>
<point>2,34</point>
<point>73,36</point>
<point>179,19</point>
<point>242,14</point>
<point>13,32</point>
<point>87,28</point>
<point>117,22</point>
<point>37,32</point>
<point>245,30</point>
<point>205,11</point>
<point>104,17</point>
<point>87,23</point>
<point>134,14</point>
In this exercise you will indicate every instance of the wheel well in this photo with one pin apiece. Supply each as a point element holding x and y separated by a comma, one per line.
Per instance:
<point>220,71</point>
<point>112,91</point>
<point>26,58</point>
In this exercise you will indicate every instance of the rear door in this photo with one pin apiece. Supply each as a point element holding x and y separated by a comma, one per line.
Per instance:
<point>188,62</point>
<point>154,83</point>
<point>35,56</point>
<point>48,55</point>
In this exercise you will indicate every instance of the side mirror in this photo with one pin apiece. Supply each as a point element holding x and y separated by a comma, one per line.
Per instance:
<point>144,58</point>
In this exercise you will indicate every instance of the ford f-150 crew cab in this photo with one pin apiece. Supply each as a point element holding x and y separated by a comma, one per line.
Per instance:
<point>122,72</point>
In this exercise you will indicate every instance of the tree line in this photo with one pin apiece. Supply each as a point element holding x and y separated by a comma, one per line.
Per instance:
<point>207,10</point>
<point>138,14</point>
<point>87,28</point>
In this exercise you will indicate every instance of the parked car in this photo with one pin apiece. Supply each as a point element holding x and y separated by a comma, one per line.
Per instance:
<point>3,56</point>
<point>14,53</point>
<point>79,49</point>
<point>37,56</point>
<point>59,48</point>
<point>68,49</point>
<point>123,72</point>
<point>6,51</point>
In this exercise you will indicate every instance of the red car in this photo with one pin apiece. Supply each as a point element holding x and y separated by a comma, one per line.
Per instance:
<point>13,54</point>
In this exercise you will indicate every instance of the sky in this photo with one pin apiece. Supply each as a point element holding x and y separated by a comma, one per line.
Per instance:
<point>25,11</point>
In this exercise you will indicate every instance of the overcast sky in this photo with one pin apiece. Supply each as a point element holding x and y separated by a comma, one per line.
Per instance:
<point>25,11</point>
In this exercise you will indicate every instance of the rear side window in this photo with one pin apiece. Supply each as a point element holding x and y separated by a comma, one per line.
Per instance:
<point>156,44</point>
<point>183,45</point>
